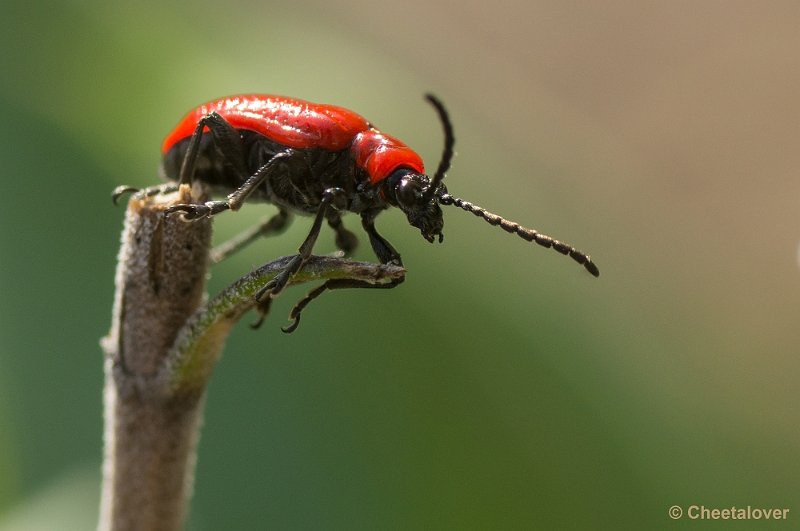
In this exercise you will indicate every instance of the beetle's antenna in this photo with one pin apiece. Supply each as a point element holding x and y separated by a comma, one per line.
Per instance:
<point>492,219</point>
<point>526,234</point>
<point>449,141</point>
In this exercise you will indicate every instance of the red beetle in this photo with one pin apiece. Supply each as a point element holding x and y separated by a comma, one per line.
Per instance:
<point>318,160</point>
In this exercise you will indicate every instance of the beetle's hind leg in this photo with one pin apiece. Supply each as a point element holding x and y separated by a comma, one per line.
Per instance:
<point>228,142</point>
<point>235,199</point>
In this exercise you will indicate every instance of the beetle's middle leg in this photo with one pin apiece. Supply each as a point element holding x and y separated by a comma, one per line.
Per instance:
<point>385,253</point>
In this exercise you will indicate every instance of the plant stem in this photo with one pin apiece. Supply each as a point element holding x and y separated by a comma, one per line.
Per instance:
<point>161,351</point>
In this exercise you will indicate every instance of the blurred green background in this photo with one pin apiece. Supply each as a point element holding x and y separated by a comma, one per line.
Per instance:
<point>500,387</point>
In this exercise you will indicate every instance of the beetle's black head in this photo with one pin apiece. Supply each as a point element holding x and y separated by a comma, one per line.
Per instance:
<point>409,191</point>
<point>417,194</point>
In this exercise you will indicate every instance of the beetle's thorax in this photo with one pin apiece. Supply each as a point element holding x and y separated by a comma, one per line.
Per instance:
<point>379,155</point>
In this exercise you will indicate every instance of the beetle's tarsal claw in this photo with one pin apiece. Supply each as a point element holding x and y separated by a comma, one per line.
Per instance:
<point>292,327</point>
<point>190,212</point>
<point>119,191</point>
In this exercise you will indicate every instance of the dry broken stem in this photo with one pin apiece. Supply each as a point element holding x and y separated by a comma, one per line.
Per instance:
<point>160,353</point>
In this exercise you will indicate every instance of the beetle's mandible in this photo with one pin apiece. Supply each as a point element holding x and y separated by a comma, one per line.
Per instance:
<point>318,160</point>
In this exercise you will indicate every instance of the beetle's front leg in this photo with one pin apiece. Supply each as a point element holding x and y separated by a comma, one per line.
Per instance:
<point>331,198</point>
<point>385,252</point>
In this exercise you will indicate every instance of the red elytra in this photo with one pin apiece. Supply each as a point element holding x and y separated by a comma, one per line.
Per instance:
<point>300,124</point>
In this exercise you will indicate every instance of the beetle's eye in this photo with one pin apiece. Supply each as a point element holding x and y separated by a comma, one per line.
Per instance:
<point>408,192</point>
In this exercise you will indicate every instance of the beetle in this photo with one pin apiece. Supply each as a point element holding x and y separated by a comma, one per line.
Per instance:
<point>318,160</point>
